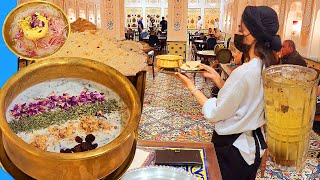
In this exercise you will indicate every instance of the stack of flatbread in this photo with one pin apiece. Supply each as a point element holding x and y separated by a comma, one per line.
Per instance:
<point>125,56</point>
<point>81,25</point>
<point>191,66</point>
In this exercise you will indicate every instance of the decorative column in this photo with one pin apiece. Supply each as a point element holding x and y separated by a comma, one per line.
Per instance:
<point>112,15</point>
<point>59,3</point>
<point>306,22</point>
<point>259,2</point>
<point>235,22</point>
<point>177,20</point>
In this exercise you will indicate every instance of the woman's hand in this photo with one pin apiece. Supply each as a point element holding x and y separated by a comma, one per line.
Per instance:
<point>212,75</point>
<point>186,81</point>
<point>210,72</point>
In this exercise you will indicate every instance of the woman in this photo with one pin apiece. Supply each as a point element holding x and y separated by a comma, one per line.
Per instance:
<point>238,111</point>
<point>219,36</point>
<point>210,31</point>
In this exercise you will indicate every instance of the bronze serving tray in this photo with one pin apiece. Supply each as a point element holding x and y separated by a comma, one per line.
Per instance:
<point>16,173</point>
<point>174,70</point>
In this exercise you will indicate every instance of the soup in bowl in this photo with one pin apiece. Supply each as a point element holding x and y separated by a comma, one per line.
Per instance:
<point>69,118</point>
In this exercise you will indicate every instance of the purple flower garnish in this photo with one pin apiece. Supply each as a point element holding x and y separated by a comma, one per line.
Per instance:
<point>56,102</point>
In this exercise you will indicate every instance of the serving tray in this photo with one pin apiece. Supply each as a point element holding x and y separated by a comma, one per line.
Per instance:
<point>174,70</point>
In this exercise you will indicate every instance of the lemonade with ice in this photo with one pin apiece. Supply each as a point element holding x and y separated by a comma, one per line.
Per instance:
<point>290,99</point>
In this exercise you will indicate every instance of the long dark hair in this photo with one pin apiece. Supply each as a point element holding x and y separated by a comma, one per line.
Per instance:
<point>265,53</point>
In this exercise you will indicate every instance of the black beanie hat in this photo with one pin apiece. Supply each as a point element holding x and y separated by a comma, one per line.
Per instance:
<point>263,24</point>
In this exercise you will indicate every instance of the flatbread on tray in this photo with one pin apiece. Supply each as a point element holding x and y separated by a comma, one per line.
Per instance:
<point>191,66</point>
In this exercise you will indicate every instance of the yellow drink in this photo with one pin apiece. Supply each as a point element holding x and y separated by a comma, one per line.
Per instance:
<point>290,99</point>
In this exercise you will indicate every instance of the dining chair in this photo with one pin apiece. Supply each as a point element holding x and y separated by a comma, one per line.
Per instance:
<point>190,37</point>
<point>228,42</point>
<point>194,51</point>
<point>152,54</point>
<point>224,56</point>
<point>194,57</point>
<point>136,35</point>
<point>217,47</point>
<point>211,42</point>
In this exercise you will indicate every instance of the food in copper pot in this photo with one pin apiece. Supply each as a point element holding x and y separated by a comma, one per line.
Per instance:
<point>82,146</point>
<point>39,31</point>
<point>57,115</point>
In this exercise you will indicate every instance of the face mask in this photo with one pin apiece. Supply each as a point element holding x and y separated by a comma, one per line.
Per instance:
<point>238,43</point>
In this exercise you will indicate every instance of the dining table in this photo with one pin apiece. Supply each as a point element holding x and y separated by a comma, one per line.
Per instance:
<point>206,55</point>
<point>161,38</point>
<point>199,41</point>
<point>220,42</point>
<point>202,42</point>
<point>193,37</point>
<point>209,53</point>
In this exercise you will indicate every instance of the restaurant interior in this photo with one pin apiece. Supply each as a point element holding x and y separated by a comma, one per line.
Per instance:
<point>141,41</point>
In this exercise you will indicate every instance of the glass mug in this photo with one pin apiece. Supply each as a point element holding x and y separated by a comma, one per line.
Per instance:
<point>290,99</point>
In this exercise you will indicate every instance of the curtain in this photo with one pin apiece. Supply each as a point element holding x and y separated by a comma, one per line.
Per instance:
<point>282,14</point>
<point>306,22</point>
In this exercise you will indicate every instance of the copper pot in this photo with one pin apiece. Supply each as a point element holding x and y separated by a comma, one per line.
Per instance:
<point>92,164</point>
<point>169,61</point>
<point>6,29</point>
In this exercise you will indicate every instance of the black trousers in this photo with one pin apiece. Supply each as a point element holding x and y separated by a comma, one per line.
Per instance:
<point>232,165</point>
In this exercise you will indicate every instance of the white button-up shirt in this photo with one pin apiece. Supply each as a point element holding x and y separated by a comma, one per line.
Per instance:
<point>239,107</point>
<point>200,24</point>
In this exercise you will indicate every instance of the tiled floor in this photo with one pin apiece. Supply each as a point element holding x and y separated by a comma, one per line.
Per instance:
<point>171,113</point>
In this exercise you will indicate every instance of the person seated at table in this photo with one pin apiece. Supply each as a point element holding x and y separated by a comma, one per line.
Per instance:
<point>129,34</point>
<point>289,54</point>
<point>203,37</point>
<point>218,34</point>
<point>210,31</point>
<point>238,111</point>
<point>153,39</point>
